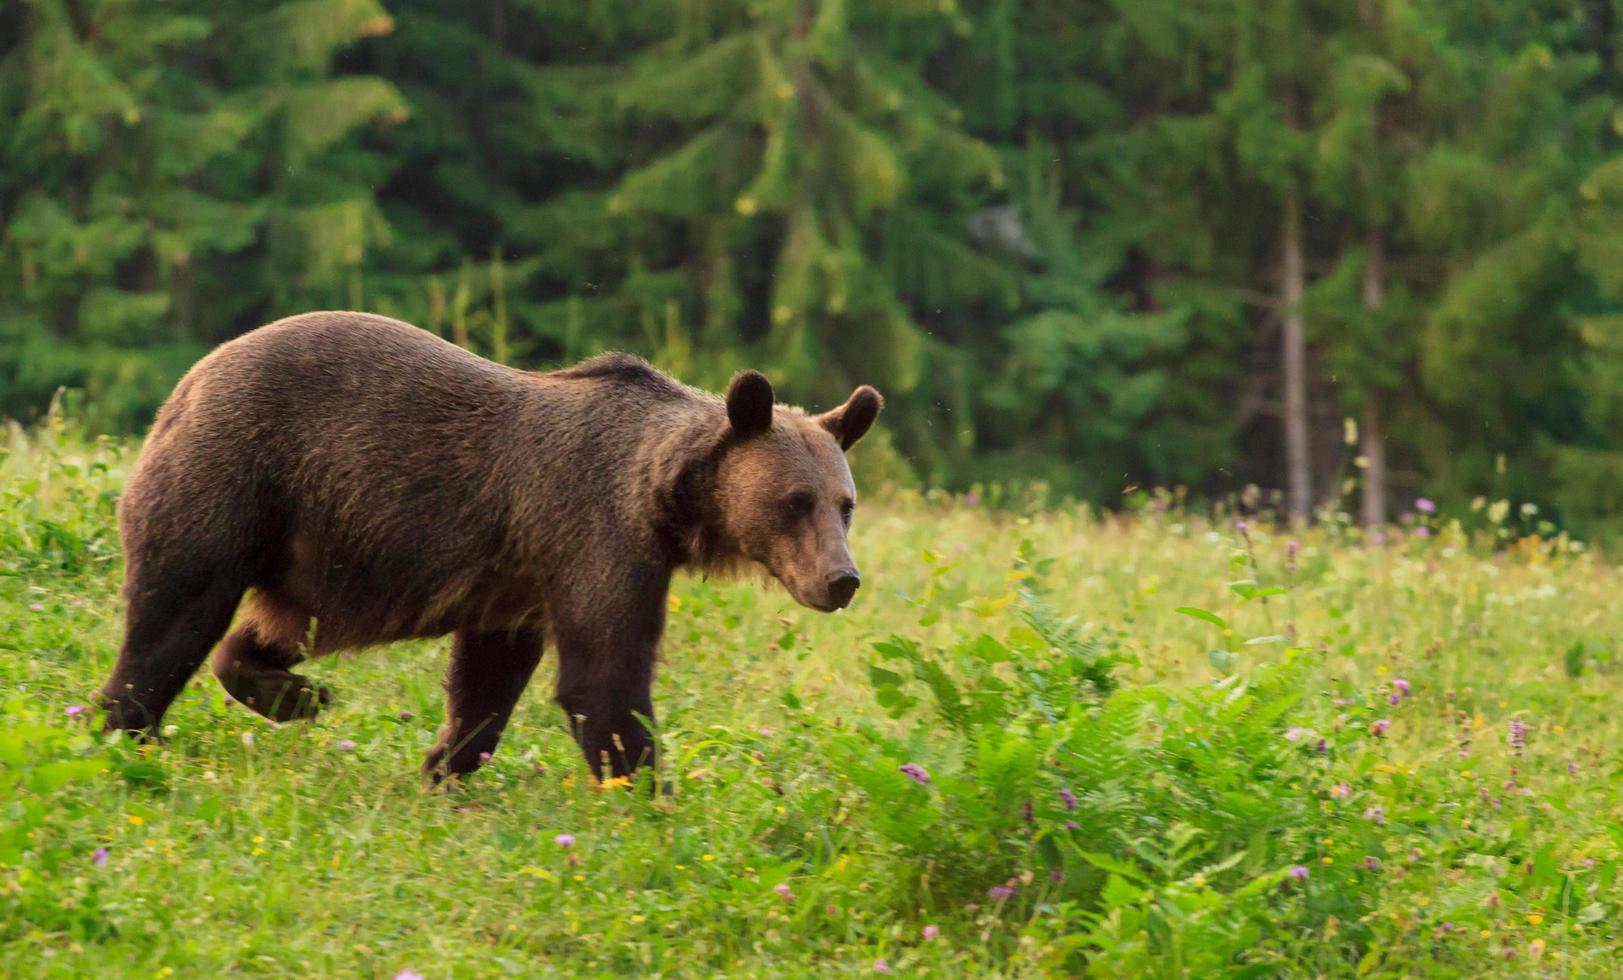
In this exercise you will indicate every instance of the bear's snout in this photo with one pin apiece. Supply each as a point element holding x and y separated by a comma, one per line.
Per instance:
<point>842,585</point>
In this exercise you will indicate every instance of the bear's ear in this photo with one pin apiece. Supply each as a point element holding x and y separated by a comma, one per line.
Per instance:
<point>749,404</point>
<point>851,420</point>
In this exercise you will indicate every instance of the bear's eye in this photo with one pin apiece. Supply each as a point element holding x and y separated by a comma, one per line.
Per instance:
<point>847,508</point>
<point>798,504</point>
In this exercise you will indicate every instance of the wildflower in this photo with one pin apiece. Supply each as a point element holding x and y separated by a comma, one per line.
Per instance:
<point>1072,825</point>
<point>564,840</point>
<point>35,607</point>
<point>136,821</point>
<point>1029,812</point>
<point>406,715</point>
<point>1340,791</point>
<point>1298,873</point>
<point>971,499</point>
<point>915,772</point>
<point>1535,919</point>
<point>484,757</point>
<point>1401,685</point>
<point>1372,863</point>
<point>1572,768</point>
<point>1518,736</point>
<point>1535,949</point>
<point>1291,549</point>
<point>784,891</point>
<point>1393,698</point>
<point>1422,531</point>
<point>930,932</point>
<point>1056,876</point>
<point>408,975</point>
<point>346,744</point>
<point>100,857</point>
<point>1376,814</point>
<point>880,966</point>
<point>999,892</point>
<point>74,710</point>
<point>1379,726</point>
<point>1321,746</point>
<point>1296,733</point>
<point>1425,505</point>
<point>1068,798</point>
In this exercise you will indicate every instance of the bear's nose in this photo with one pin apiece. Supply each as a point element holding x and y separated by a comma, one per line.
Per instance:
<point>842,585</point>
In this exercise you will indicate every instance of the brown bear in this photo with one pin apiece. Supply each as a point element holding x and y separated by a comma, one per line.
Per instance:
<point>370,482</point>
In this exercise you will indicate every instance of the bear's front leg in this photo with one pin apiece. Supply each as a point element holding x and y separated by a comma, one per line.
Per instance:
<point>605,681</point>
<point>488,673</point>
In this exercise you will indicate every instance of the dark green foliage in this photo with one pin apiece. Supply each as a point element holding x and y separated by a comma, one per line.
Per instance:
<point>1051,231</point>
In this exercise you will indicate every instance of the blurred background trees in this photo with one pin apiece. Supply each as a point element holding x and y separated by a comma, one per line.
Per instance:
<point>1319,245</point>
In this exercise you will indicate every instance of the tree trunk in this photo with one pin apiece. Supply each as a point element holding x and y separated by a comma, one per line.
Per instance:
<point>1372,439</point>
<point>1293,363</point>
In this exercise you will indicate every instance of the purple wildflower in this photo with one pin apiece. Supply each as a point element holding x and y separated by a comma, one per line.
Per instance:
<point>1379,726</point>
<point>784,891</point>
<point>1372,863</point>
<point>35,607</point>
<point>1394,698</point>
<point>930,932</point>
<point>1425,505</point>
<point>484,757</point>
<point>1056,876</point>
<point>1572,768</point>
<point>1292,548</point>
<point>1377,814</point>
<point>1340,791</point>
<point>346,744</point>
<point>1321,746</point>
<point>915,772</point>
<point>1072,825</point>
<point>880,966</point>
<point>408,975</point>
<point>1029,812</point>
<point>1067,797</point>
<point>1296,733</point>
<point>1422,531</point>
<point>74,710</point>
<point>100,857</point>
<point>999,892</point>
<point>1518,736</point>
<point>406,715</point>
<point>564,840</point>
<point>972,499</point>
<point>1401,685</point>
<point>1298,873</point>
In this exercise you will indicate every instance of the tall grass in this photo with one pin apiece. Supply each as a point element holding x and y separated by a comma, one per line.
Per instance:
<point>1156,744</point>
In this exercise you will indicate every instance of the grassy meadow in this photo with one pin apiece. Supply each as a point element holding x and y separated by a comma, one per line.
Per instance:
<point>1041,743</point>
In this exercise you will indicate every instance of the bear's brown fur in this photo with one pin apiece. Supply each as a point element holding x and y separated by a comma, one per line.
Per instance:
<point>369,482</point>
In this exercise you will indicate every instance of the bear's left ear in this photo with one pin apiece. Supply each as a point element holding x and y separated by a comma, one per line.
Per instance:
<point>749,404</point>
<point>850,421</point>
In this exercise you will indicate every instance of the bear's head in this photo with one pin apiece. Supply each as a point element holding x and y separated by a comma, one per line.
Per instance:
<point>783,491</point>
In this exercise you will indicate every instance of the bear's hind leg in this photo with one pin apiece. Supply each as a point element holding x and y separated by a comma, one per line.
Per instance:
<point>169,627</point>
<point>256,673</point>
<point>488,673</point>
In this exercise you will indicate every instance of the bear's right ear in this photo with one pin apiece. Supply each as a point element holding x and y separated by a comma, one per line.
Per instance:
<point>749,404</point>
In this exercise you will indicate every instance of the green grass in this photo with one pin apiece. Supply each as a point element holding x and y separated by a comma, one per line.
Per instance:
<point>1019,658</point>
